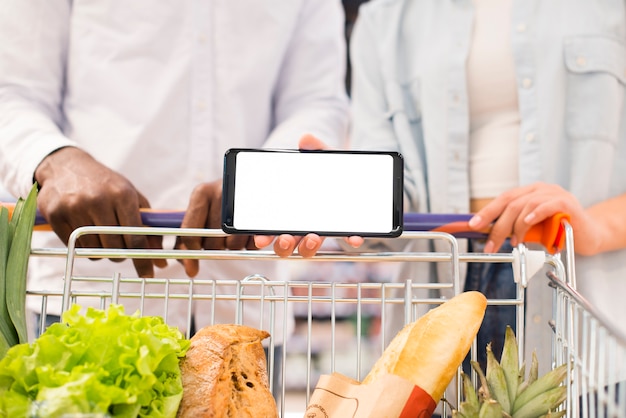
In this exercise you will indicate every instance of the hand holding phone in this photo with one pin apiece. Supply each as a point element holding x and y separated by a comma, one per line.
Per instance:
<point>327,192</point>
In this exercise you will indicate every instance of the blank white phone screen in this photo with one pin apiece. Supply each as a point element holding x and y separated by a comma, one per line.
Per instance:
<point>331,192</point>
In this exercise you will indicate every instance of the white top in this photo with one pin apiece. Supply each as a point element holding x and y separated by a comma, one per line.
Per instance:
<point>492,94</point>
<point>160,92</point>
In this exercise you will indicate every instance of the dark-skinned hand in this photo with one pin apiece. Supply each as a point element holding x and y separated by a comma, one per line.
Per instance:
<point>76,190</point>
<point>205,211</point>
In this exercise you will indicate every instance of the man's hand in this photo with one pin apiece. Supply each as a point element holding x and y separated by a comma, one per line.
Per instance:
<point>205,211</point>
<point>76,190</point>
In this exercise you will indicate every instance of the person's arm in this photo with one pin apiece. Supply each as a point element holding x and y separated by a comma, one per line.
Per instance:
<point>74,189</point>
<point>310,94</point>
<point>597,229</point>
<point>310,100</point>
<point>608,227</point>
<point>32,66</point>
<point>371,128</point>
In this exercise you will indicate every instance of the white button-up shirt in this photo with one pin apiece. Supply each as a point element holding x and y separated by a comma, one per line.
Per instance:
<point>160,90</point>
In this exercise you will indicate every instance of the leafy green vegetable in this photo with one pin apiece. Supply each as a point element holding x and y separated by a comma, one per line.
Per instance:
<point>102,362</point>
<point>8,335</point>
<point>15,239</point>
<point>17,262</point>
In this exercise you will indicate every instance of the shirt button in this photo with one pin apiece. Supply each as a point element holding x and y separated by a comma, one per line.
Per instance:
<point>202,39</point>
<point>527,83</point>
<point>521,27</point>
<point>581,61</point>
<point>530,137</point>
<point>537,319</point>
<point>201,105</point>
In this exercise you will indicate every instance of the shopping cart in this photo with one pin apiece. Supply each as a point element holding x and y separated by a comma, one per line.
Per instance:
<point>335,328</point>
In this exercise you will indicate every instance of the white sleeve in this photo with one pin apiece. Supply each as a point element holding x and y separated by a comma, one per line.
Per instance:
<point>32,65</point>
<point>310,96</point>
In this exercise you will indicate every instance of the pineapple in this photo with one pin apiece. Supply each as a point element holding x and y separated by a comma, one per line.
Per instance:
<point>504,390</point>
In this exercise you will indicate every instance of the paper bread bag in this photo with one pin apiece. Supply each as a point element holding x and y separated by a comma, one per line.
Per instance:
<point>390,396</point>
<point>412,374</point>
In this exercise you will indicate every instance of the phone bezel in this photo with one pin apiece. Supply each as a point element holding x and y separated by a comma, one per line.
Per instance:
<point>228,195</point>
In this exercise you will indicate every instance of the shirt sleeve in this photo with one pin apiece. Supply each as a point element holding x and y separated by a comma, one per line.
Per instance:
<point>310,95</point>
<point>379,116</point>
<point>32,64</point>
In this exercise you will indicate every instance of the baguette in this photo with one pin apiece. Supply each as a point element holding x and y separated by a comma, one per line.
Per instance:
<point>429,351</point>
<point>224,374</point>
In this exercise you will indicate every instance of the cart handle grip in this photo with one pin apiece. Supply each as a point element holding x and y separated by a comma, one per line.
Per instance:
<point>550,233</point>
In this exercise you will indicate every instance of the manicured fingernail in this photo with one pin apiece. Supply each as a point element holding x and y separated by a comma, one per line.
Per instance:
<point>530,217</point>
<point>355,241</point>
<point>283,244</point>
<point>475,221</point>
<point>310,244</point>
<point>489,246</point>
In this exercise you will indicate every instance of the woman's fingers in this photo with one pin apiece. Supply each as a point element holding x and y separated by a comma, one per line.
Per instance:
<point>285,245</point>
<point>262,241</point>
<point>514,212</point>
<point>310,142</point>
<point>309,245</point>
<point>355,241</point>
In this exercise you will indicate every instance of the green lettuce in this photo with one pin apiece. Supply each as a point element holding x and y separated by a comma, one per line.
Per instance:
<point>100,362</point>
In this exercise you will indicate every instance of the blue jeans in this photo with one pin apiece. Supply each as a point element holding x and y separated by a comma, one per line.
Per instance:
<point>495,281</point>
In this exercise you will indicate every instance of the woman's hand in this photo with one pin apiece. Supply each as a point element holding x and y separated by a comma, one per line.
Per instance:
<point>514,212</point>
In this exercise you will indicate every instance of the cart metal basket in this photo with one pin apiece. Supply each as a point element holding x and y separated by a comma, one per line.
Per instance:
<point>337,323</point>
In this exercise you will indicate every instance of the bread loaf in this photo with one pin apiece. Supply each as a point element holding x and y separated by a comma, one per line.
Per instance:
<point>224,374</point>
<point>429,351</point>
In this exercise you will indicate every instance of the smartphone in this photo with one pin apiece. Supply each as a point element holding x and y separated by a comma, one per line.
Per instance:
<point>327,192</point>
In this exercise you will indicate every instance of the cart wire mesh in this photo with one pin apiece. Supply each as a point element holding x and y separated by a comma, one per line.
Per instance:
<point>332,329</point>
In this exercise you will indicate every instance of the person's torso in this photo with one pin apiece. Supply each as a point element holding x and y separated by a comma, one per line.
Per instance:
<point>190,79</point>
<point>569,60</point>
<point>570,73</point>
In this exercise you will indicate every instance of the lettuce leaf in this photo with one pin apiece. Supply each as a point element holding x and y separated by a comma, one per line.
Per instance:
<point>102,362</point>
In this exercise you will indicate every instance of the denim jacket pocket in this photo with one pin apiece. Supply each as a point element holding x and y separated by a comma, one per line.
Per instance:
<point>596,83</point>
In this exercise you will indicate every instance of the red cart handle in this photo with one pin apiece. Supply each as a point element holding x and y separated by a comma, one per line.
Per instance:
<point>550,233</point>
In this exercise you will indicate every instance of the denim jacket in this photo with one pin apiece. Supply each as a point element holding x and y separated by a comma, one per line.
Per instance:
<point>410,95</point>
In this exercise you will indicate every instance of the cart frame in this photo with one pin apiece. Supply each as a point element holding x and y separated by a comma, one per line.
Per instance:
<point>581,336</point>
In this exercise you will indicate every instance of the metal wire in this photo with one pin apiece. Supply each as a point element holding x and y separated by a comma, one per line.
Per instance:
<point>596,351</point>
